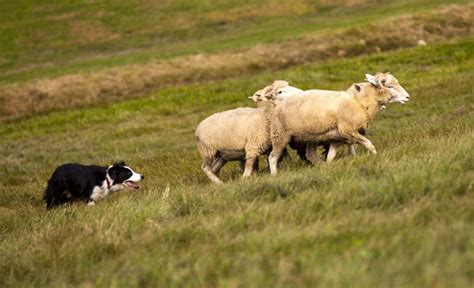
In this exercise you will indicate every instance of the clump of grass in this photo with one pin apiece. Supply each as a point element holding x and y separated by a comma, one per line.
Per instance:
<point>130,81</point>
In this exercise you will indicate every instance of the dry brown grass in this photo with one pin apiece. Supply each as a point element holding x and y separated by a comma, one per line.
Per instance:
<point>132,80</point>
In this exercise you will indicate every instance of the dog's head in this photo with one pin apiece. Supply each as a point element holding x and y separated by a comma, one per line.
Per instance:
<point>123,176</point>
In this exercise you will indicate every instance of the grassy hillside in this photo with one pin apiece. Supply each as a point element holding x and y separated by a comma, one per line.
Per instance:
<point>52,38</point>
<point>129,81</point>
<point>403,217</point>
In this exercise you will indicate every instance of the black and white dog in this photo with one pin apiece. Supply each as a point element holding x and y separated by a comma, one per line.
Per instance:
<point>73,182</point>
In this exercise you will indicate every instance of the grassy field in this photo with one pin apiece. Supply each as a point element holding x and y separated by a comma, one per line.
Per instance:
<point>53,38</point>
<point>403,217</point>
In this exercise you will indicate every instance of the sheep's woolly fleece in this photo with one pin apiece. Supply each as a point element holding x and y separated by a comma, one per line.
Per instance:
<point>237,134</point>
<point>321,115</point>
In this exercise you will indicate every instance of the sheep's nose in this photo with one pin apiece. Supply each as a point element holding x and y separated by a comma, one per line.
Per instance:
<point>142,176</point>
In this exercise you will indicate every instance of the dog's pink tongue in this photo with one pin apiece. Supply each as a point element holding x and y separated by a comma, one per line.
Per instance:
<point>133,185</point>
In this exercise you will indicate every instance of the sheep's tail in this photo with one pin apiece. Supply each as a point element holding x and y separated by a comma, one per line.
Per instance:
<point>206,151</point>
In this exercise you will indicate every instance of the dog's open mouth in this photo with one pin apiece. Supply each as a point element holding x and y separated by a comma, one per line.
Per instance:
<point>132,184</point>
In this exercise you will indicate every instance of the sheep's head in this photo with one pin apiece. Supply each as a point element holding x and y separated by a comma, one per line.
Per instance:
<point>357,87</point>
<point>389,84</point>
<point>284,92</point>
<point>278,90</point>
<point>257,96</point>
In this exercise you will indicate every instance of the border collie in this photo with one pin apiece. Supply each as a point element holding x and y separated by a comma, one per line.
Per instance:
<point>74,182</point>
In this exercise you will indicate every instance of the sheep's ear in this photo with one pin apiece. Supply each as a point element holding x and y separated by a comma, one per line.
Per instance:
<point>254,98</point>
<point>280,83</point>
<point>371,79</point>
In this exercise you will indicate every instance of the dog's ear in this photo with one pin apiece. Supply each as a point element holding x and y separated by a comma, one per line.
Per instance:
<point>113,172</point>
<point>120,163</point>
<point>114,169</point>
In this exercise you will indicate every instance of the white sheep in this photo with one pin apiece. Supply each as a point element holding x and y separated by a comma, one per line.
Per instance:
<point>238,134</point>
<point>306,151</point>
<point>319,115</point>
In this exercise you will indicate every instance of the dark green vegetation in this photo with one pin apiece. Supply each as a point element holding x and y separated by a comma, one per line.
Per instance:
<point>404,217</point>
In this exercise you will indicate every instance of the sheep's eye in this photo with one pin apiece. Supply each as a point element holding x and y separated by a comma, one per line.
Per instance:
<point>391,86</point>
<point>279,92</point>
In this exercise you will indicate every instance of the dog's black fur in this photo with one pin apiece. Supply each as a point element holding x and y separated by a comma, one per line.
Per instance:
<point>76,182</point>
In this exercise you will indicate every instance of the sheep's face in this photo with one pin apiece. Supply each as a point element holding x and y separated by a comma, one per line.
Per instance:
<point>257,96</point>
<point>285,92</point>
<point>262,95</point>
<point>389,83</point>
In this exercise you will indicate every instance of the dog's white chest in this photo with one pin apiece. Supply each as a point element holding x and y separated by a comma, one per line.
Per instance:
<point>99,192</point>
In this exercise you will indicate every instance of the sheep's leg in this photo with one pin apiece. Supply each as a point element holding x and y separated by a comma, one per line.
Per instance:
<point>255,165</point>
<point>249,166</point>
<point>352,149</point>
<point>285,155</point>
<point>207,168</point>
<point>311,153</point>
<point>302,154</point>
<point>242,166</point>
<point>331,152</point>
<point>359,139</point>
<point>275,155</point>
<point>217,165</point>
<point>300,150</point>
<point>279,139</point>
<point>325,150</point>
<point>273,159</point>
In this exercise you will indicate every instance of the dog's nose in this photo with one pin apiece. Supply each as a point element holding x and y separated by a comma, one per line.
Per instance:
<point>142,176</point>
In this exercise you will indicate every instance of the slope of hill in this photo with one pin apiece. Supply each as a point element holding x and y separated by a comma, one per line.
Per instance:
<point>404,217</point>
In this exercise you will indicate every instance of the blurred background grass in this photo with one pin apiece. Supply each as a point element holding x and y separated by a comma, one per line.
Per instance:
<point>53,38</point>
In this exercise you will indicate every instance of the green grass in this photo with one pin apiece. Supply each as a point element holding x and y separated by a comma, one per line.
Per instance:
<point>50,39</point>
<point>401,218</point>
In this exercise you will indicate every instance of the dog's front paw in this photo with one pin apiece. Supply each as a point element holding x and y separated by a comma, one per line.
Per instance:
<point>91,203</point>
